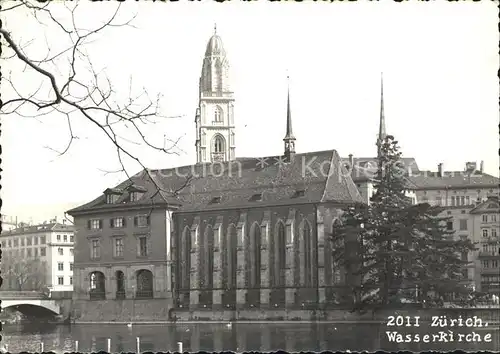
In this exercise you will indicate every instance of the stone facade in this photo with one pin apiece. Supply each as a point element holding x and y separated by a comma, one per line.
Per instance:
<point>269,257</point>
<point>129,261</point>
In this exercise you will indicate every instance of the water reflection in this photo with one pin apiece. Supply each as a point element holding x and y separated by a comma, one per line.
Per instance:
<point>218,337</point>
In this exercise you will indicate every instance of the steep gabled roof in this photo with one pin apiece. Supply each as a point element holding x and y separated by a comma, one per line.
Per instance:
<point>320,175</point>
<point>490,205</point>
<point>454,179</point>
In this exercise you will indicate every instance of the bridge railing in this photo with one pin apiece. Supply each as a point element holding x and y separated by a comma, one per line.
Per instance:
<point>22,295</point>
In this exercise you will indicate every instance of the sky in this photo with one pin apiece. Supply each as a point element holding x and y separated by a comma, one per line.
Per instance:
<point>439,62</point>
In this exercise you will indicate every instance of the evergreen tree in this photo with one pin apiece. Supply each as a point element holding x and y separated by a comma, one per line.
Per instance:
<point>391,246</point>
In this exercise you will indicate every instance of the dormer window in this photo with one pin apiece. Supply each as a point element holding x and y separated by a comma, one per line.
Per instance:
<point>256,197</point>
<point>111,198</point>
<point>215,200</point>
<point>136,192</point>
<point>299,193</point>
<point>135,196</point>
<point>112,195</point>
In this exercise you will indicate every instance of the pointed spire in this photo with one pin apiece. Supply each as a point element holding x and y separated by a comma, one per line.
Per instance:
<point>215,29</point>
<point>381,130</point>
<point>289,130</point>
<point>289,138</point>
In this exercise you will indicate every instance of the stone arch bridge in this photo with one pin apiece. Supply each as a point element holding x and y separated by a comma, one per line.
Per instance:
<point>19,299</point>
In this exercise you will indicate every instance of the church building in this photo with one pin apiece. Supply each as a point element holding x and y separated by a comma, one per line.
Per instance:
<point>225,232</point>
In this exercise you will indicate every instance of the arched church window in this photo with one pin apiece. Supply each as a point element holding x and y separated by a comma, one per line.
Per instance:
<point>306,236</point>
<point>280,254</point>
<point>218,144</point>
<point>218,114</point>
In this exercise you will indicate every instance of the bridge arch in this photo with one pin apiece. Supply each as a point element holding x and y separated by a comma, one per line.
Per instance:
<point>32,307</point>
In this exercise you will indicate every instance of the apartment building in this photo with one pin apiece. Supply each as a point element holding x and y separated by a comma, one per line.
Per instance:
<point>485,220</point>
<point>469,197</point>
<point>38,257</point>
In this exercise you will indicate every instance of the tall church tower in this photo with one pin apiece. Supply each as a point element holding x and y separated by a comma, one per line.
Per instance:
<point>215,133</point>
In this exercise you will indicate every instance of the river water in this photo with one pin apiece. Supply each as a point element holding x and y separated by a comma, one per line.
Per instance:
<point>221,337</point>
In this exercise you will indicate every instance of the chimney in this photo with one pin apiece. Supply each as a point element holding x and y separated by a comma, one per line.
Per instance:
<point>481,166</point>
<point>440,169</point>
<point>470,166</point>
<point>64,221</point>
<point>351,162</point>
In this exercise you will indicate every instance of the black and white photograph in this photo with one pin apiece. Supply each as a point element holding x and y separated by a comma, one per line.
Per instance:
<point>249,176</point>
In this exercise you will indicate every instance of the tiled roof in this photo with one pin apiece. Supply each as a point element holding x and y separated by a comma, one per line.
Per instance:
<point>365,168</point>
<point>320,175</point>
<point>152,195</point>
<point>490,205</point>
<point>54,227</point>
<point>454,179</point>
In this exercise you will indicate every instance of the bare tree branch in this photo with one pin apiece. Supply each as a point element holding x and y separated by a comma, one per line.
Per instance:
<point>80,93</point>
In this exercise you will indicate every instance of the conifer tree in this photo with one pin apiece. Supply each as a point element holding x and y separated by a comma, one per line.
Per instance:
<point>391,245</point>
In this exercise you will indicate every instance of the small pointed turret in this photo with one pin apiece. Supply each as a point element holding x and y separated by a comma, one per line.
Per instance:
<point>289,138</point>
<point>381,130</point>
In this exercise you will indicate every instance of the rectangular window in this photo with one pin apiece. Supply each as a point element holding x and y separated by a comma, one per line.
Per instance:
<point>22,241</point>
<point>42,240</point>
<point>494,218</point>
<point>118,249</point>
<point>28,241</point>
<point>438,200</point>
<point>72,238</point>
<point>116,223</point>
<point>464,256</point>
<point>71,252</point>
<point>60,280</point>
<point>71,266</point>
<point>70,280</point>
<point>141,221</point>
<point>135,196</point>
<point>9,243</point>
<point>58,238</point>
<point>94,224</point>
<point>16,242</point>
<point>28,252</point>
<point>60,266</point>
<point>35,240</point>
<point>449,225</point>
<point>485,247</point>
<point>485,233</point>
<point>65,238</point>
<point>43,252</point>
<point>486,264</point>
<point>467,200</point>
<point>494,263</point>
<point>35,250</point>
<point>485,218</point>
<point>112,198</point>
<point>60,251</point>
<point>143,246</point>
<point>22,252</point>
<point>95,251</point>
<point>493,232</point>
<point>463,224</point>
<point>462,200</point>
<point>452,201</point>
